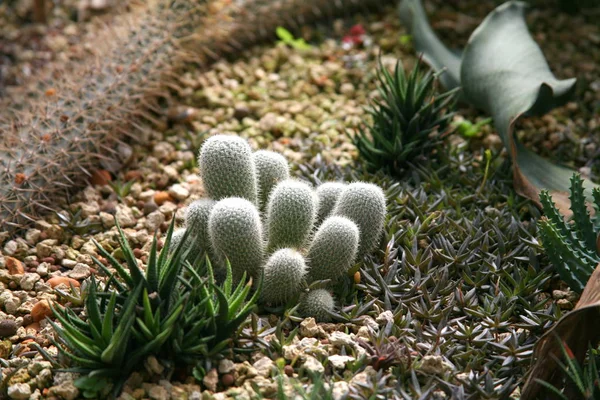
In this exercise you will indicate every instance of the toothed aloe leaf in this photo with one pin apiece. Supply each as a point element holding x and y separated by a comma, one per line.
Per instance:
<point>503,72</point>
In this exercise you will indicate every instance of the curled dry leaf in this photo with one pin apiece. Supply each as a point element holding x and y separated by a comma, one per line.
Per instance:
<point>577,330</point>
<point>504,73</point>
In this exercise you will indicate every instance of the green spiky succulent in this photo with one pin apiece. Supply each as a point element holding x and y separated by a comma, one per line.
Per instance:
<point>572,246</point>
<point>158,311</point>
<point>408,120</point>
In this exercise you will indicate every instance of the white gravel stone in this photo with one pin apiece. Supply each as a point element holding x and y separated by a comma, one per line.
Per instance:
<point>434,365</point>
<point>264,366</point>
<point>154,220</point>
<point>66,390</point>
<point>341,339</point>
<point>313,365</point>
<point>226,366</point>
<point>68,263</point>
<point>125,216</point>
<point>32,236</point>
<point>338,361</point>
<point>309,328</point>
<point>211,380</point>
<point>385,318</point>
<point>80,271</point>
<point>341,389</point>
<point>42,269</point>
<point>19,391</point>
<point>158,393</point>
<point>10,248</point>
<point>28,281</point>
<point>179,192</point>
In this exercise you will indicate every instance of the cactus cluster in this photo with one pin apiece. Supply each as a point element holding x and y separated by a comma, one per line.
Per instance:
<point>55,132</point>
<point>304,234</point>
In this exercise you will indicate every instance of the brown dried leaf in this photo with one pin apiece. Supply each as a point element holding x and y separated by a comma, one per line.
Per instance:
<point>577,330</point>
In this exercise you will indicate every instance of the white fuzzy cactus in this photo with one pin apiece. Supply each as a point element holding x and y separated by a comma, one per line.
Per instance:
<point>328,194</point>
<point>176,238</point>
<point>235,232</point>
<point>271,168</point>
<point>365,205</point>
<point>227,168</point>
<point>291,214</point>
<point>317,303</point>
<point>283,276</point>
<point>333,249</point>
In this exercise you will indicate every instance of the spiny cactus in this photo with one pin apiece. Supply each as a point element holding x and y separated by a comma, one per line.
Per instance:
<point>235,229</point>
<point>408,120</point>
<point>271,168</point>
<point>328,194</point>
<point>227,168</point>
<point>235,232</point>
<point>176,238</point>
<point>365,205</point>
<point>291,213</point>
<point>333,249</point>
<point>52,142</point>
<point>283,276</point>
<point>573,247</point>
<point>196,221</point>
<point>317,303</point>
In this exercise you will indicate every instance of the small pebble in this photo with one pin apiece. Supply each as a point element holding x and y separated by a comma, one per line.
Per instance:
<point>40,311</point>
<point>288,370</point>
<point>227,380</point>
<point>8,328</point>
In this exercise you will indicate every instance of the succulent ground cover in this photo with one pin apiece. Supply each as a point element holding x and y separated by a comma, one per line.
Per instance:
<point>451,303</point>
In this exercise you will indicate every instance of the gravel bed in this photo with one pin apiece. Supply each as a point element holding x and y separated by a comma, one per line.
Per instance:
<point>298,103</point>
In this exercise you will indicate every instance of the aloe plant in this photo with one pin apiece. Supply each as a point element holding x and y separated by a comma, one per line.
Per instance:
<point>170,311</point>
<point>572,246</point>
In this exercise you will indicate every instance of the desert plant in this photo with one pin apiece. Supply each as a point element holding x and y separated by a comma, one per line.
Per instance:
<point>571,246</point>
<point>176,238</point>
<point>328,194</point>
<point>317,303</point>
<point>196,221</point>
<point>333,249</point>
<point>135,313</point>
<point>271,168</point>
<point>287,38</point>
<point>284,274</point>
<point>365,205</point>
<point>353,214</point>
<point>227,168</point>
<point>583,381</point>
<point>235,232</point>
<point>291,214</point>
<point>408,120</point>
<point>73,222</point>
